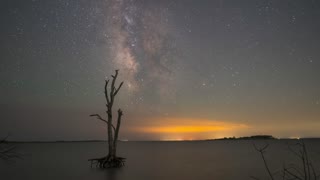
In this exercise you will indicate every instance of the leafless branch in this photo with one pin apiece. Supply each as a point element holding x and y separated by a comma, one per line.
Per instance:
<point>113,82</point>
<point>106,91</point>
<point>305,170</point>
<point>117,90</point>
<point>100,118</point>
<point>296,170</point>
<point>292,174</point>
<point>8,152</point>
<point>262,151</point>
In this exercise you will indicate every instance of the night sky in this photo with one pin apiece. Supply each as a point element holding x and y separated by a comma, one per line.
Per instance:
<point>191,69</point>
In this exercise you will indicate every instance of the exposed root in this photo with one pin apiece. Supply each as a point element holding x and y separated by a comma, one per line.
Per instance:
<point>108,162</point>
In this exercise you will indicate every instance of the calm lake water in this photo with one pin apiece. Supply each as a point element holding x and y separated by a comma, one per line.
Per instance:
<point>220,160</point>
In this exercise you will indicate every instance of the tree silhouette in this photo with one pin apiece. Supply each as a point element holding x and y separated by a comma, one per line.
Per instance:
<point>7,152</point>
<point>302,171</point>
<point>111,160</point>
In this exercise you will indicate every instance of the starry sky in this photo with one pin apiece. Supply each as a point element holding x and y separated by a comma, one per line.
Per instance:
<point>191,69</point>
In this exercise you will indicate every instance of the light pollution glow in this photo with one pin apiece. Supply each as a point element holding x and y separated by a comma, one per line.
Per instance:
<point>189,129</point>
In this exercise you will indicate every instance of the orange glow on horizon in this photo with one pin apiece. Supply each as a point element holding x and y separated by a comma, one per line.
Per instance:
<point>183,129</point>
<point>187,129</point>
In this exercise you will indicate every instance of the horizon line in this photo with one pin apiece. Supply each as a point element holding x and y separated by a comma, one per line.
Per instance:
<point>161,140</point>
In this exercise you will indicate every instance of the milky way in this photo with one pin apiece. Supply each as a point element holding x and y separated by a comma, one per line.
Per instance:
<point>141,46</point>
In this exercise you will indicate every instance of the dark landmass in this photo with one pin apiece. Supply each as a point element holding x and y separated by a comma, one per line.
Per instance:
<point>310,138</point>
<point>255,137</point>
<point>264,137</point>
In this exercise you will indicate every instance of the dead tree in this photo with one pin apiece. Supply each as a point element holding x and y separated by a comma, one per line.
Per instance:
<point>302,171</point>
<point>8,152</point>
<point>111,160</point>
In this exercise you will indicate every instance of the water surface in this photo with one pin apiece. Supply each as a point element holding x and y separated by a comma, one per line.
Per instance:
<point>203,160</point>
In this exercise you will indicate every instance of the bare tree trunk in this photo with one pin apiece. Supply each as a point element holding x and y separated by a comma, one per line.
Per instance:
<point>110,137</point>
<point>111,160</point>
<point>117,132</point>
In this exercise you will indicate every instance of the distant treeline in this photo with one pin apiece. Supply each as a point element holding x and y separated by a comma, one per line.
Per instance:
<point>256,137</point>
<point>262,137</point>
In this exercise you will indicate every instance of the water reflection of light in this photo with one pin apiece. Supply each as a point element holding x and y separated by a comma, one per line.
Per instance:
<point>295,137</point>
